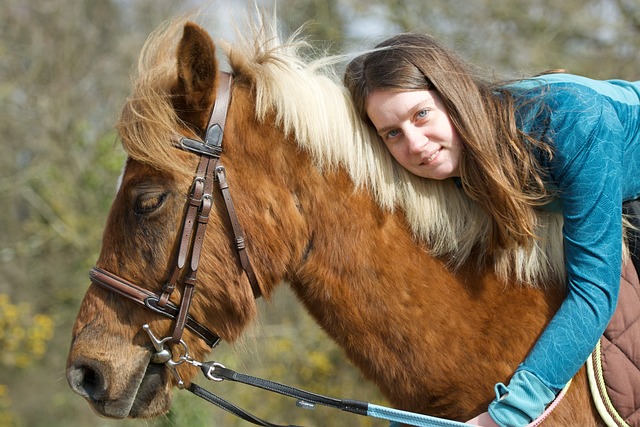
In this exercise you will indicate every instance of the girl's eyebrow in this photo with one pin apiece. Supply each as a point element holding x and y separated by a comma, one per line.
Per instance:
<point>420,105</point>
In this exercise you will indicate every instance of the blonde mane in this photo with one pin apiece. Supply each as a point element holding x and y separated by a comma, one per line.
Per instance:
<point>310,103</point>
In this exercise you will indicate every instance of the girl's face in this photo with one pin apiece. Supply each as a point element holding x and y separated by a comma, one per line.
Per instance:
<point>417,131</point>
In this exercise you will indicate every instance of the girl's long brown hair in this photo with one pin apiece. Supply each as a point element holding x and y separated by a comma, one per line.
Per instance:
<point>498,168</point>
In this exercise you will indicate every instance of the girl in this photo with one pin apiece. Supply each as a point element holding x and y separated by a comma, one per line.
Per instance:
<point>556,141</point>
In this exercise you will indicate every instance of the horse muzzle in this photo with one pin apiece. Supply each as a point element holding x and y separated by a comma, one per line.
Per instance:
<point>114,394</point>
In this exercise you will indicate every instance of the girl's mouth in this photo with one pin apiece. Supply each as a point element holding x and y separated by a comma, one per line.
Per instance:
<point>431,157</point>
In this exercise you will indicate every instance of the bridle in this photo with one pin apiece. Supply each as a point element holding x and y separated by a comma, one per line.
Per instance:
<point>194,224</point>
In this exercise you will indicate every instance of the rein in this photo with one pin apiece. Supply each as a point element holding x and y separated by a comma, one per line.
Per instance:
<point>184,273</point>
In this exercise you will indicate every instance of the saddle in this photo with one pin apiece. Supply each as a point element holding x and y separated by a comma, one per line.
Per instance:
<point>614,366</point>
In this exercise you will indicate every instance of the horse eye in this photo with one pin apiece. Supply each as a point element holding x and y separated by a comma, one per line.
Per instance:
<point>148,203</point>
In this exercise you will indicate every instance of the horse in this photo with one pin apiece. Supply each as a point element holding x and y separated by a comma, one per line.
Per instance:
<point>394,269</point>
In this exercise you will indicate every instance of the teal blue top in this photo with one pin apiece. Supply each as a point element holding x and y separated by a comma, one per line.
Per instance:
<point>594,129</point>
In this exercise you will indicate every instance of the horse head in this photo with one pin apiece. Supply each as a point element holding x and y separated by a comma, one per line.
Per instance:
<point>109,363</point>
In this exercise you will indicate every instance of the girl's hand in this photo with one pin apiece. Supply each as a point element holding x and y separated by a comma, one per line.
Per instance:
<point>522,401</point>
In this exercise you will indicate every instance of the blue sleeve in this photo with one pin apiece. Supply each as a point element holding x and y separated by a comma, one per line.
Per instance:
<point>587,169</point>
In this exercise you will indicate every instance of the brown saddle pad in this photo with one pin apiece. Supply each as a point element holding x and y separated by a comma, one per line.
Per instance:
<point>614,366</point>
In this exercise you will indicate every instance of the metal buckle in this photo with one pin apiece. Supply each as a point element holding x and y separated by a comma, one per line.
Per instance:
<point>211,370</point>
<point>199,147</point>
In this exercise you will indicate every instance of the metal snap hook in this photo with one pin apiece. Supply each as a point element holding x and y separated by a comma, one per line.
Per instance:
<point>164,355</point>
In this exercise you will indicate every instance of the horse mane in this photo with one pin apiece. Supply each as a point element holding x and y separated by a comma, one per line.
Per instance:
<point>309,102</point>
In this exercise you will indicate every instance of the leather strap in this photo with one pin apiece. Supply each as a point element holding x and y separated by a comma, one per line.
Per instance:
<point>195,200</point>
<point>204,208</point>
<point>194,226</point>
<point>215,371</point>
<point>230,407</point>
<point>218,119</point>
<point>141,296</point>
<point>237,232</point>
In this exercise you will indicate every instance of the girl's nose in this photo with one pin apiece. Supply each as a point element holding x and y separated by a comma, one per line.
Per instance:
<point>415,141</point>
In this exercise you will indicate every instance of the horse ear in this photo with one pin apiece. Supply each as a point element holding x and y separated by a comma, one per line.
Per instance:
<point>197,72</point>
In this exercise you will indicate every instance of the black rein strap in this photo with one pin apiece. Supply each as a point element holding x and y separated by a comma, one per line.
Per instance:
<point>217,372</point>
<point>230,407</point>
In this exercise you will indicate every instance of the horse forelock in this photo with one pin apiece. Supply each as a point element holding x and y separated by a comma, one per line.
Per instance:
<point>148,119</point>
<point>308,102</point>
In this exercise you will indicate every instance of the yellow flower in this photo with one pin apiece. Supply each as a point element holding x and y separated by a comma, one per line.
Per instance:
<point>23,335</point>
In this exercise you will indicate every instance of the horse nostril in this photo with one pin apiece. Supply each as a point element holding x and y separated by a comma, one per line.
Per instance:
<point>86,379</point>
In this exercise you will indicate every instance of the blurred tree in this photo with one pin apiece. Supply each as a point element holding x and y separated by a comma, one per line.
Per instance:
<point>323,19</point>
<point>23,335</point>
<point>23,339</point>
<point>598,38</point>
<point>63,76</point>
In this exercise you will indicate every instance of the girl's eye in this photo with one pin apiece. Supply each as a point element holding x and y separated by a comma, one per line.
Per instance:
<point>422,114</point>
<point>393,133</point>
